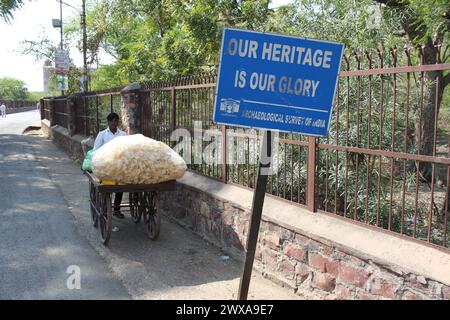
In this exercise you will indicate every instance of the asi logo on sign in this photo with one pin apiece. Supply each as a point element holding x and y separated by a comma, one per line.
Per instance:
<point>277,82</point>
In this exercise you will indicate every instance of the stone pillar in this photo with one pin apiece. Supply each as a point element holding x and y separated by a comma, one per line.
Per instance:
<point>51,106</point>
<point>130,108</point>
<point>72,111</point>
<point>42,109</point>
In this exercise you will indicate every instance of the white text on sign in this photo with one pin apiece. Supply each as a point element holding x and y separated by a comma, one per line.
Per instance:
<point>268,82</point>
<point>280,53</point>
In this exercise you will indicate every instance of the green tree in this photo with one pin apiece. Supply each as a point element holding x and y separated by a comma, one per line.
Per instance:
<point>426,24</point>
<point>7,7</point>
<point>153,40</point>
<point>12,89</point>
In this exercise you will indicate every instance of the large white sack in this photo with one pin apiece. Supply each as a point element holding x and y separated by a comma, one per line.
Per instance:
<point>136,159</point>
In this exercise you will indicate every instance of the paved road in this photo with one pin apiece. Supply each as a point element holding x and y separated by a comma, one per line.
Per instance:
<point>45,227</point>
<point>38,238</point>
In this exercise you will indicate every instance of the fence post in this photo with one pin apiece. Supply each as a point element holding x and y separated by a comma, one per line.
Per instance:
<point>174,112</point>
<point>312,150</point>
<point>72,111</point>
<point>85,122</point>
<point>42,108</point>
<point>224,154</point>
<point>130,108</point>
<point>51,107</point>
<point>97,124</point>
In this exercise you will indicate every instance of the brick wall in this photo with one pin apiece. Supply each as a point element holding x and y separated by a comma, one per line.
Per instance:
<point>76,145</point>
<point>308,266</point>
<point>313,267</point>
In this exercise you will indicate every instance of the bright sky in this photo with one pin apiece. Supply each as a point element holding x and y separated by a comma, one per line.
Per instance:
<point>34,18</point>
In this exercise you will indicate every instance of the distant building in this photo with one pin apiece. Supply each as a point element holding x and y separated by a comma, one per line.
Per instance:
<point>48,71</point>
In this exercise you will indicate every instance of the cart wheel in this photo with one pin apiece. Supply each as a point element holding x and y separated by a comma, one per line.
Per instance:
<point>93,201</point>
<point>135,212</point>
<point>152,218</point>
<point>105,217</point>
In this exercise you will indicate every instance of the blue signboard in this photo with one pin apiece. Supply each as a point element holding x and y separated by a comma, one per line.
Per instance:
<point>276,82</point>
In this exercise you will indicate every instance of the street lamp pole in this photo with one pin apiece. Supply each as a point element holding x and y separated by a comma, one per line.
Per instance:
<point>60,15</point>
<point>83,25</point>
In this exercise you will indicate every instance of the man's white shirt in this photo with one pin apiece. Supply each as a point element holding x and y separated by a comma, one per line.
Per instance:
<point>106,136</point>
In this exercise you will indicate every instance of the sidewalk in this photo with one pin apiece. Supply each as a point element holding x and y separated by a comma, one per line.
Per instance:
<point>178,265</point>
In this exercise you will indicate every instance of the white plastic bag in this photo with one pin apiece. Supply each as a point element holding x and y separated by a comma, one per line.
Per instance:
<point>136,159</point>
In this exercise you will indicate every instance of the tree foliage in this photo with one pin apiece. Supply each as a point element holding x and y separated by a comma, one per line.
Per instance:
<point>7,8</point>
<point>12,89</point>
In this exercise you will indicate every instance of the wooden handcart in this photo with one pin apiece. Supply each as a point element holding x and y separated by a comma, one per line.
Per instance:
<point>142,204</point>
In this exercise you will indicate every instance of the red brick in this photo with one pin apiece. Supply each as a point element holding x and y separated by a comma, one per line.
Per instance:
<point>324,264</point>
<point>294,252</point>
<point>343,292</point>
<point>383,287</point>
<point>352,275</point>
<point>287,269</point>
<point>409,295</point>
<point>332,267</point>
<point>446,292</point>
<point>317,261</point>
<point>324,281</point>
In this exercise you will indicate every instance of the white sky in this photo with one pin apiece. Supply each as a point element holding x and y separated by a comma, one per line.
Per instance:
<point>34,18</point>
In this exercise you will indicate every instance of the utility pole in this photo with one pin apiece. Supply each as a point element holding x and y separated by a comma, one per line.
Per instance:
<point>83,25</point>
<point>62,48</point>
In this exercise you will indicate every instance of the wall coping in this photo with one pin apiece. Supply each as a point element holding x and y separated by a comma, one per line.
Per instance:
<point>390,251</point>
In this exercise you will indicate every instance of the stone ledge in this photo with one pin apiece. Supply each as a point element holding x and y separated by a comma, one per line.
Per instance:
<point>77,145</point>
<point>387,250</point>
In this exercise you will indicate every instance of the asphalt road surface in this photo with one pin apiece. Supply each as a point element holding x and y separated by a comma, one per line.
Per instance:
<point>41,254</point>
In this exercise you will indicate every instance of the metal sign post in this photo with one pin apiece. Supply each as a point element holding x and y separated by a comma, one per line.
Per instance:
<point>257,206</point>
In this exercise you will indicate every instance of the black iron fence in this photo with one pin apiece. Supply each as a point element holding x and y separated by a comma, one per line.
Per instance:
<point>384,164</point>
<point>15,104</point>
